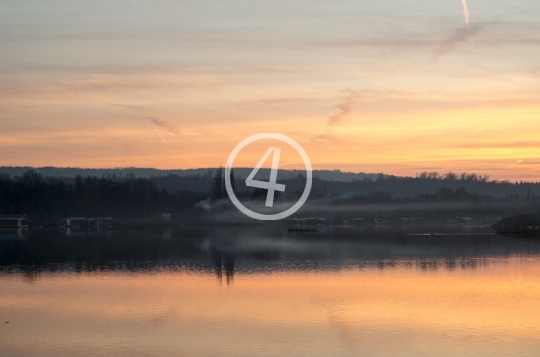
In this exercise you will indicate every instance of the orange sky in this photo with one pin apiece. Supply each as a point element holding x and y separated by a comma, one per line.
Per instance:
<point>383,87</point>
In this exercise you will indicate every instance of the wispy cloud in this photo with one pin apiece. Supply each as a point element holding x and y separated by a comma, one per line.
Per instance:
<point>460,35</point>
<point>501,145</point>
<point>345,109</point>
<point>165,124</point>
<point>136,108</point>
<point>326,138</point>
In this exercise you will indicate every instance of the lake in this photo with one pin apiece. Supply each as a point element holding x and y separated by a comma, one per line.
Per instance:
<point>267,292</point>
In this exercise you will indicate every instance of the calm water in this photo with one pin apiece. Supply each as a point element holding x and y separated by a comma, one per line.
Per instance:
<point>340,292</point>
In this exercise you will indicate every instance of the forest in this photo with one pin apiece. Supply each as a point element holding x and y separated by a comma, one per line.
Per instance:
<point>48,197</point>
<point>129,196</point>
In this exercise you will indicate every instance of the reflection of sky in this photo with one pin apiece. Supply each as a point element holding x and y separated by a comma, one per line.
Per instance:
<point>402,311</point>
<point>373,86</point>
<point>226,252</point>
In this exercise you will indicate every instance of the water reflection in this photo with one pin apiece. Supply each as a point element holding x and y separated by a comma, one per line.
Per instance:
<point>224,262</point>
<point>344,293</point>
<point>224,252</point>
<point>13,233</point>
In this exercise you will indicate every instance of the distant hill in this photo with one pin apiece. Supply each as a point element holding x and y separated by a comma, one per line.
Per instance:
<point>58,192</point>
<point>333,184</point>
<point>242,173</point>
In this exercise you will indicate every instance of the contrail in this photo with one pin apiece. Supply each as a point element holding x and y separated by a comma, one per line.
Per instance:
<point>161,136</point>
<point>465,11</point>
<point>515,163</point>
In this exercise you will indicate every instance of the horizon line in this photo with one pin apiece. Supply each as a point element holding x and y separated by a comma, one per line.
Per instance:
<point>236,168</point>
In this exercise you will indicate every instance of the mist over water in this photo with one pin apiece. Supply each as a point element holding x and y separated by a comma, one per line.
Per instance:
<point>266,292</point>
<point>253,250</point>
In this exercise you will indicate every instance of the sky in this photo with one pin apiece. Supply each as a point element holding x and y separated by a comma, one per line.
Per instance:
<point>389,86</point>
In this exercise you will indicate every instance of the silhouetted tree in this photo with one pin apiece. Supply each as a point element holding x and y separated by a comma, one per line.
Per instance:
<point>218,185</point>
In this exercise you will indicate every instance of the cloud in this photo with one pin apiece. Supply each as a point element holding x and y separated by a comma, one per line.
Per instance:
<point>461,34</point>
<point>345,109</point>
<point>502,145</point>
<point>325,138</point>
<point>165,124</point>
<point>136,108</point>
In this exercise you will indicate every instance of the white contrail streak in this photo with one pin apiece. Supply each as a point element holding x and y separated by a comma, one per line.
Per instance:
<point>515,163</point>
<point>465,11</point>
<point>161,136</point>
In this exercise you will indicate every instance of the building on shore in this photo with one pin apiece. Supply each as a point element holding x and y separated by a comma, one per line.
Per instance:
<point>14,221</point>
<point>76,222</point>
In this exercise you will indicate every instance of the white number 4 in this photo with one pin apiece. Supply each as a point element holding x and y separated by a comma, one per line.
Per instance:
<point>271,185</point>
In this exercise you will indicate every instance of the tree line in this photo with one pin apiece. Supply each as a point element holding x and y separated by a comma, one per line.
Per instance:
<point>129,196</point>
<point>49,197</point>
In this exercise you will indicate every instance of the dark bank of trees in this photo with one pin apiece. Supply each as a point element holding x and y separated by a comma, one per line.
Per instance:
<point>50,197</point>
<point>130,197</point>
<point>398,187</point>
<point>434,185</point>
<point>218,184</point>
